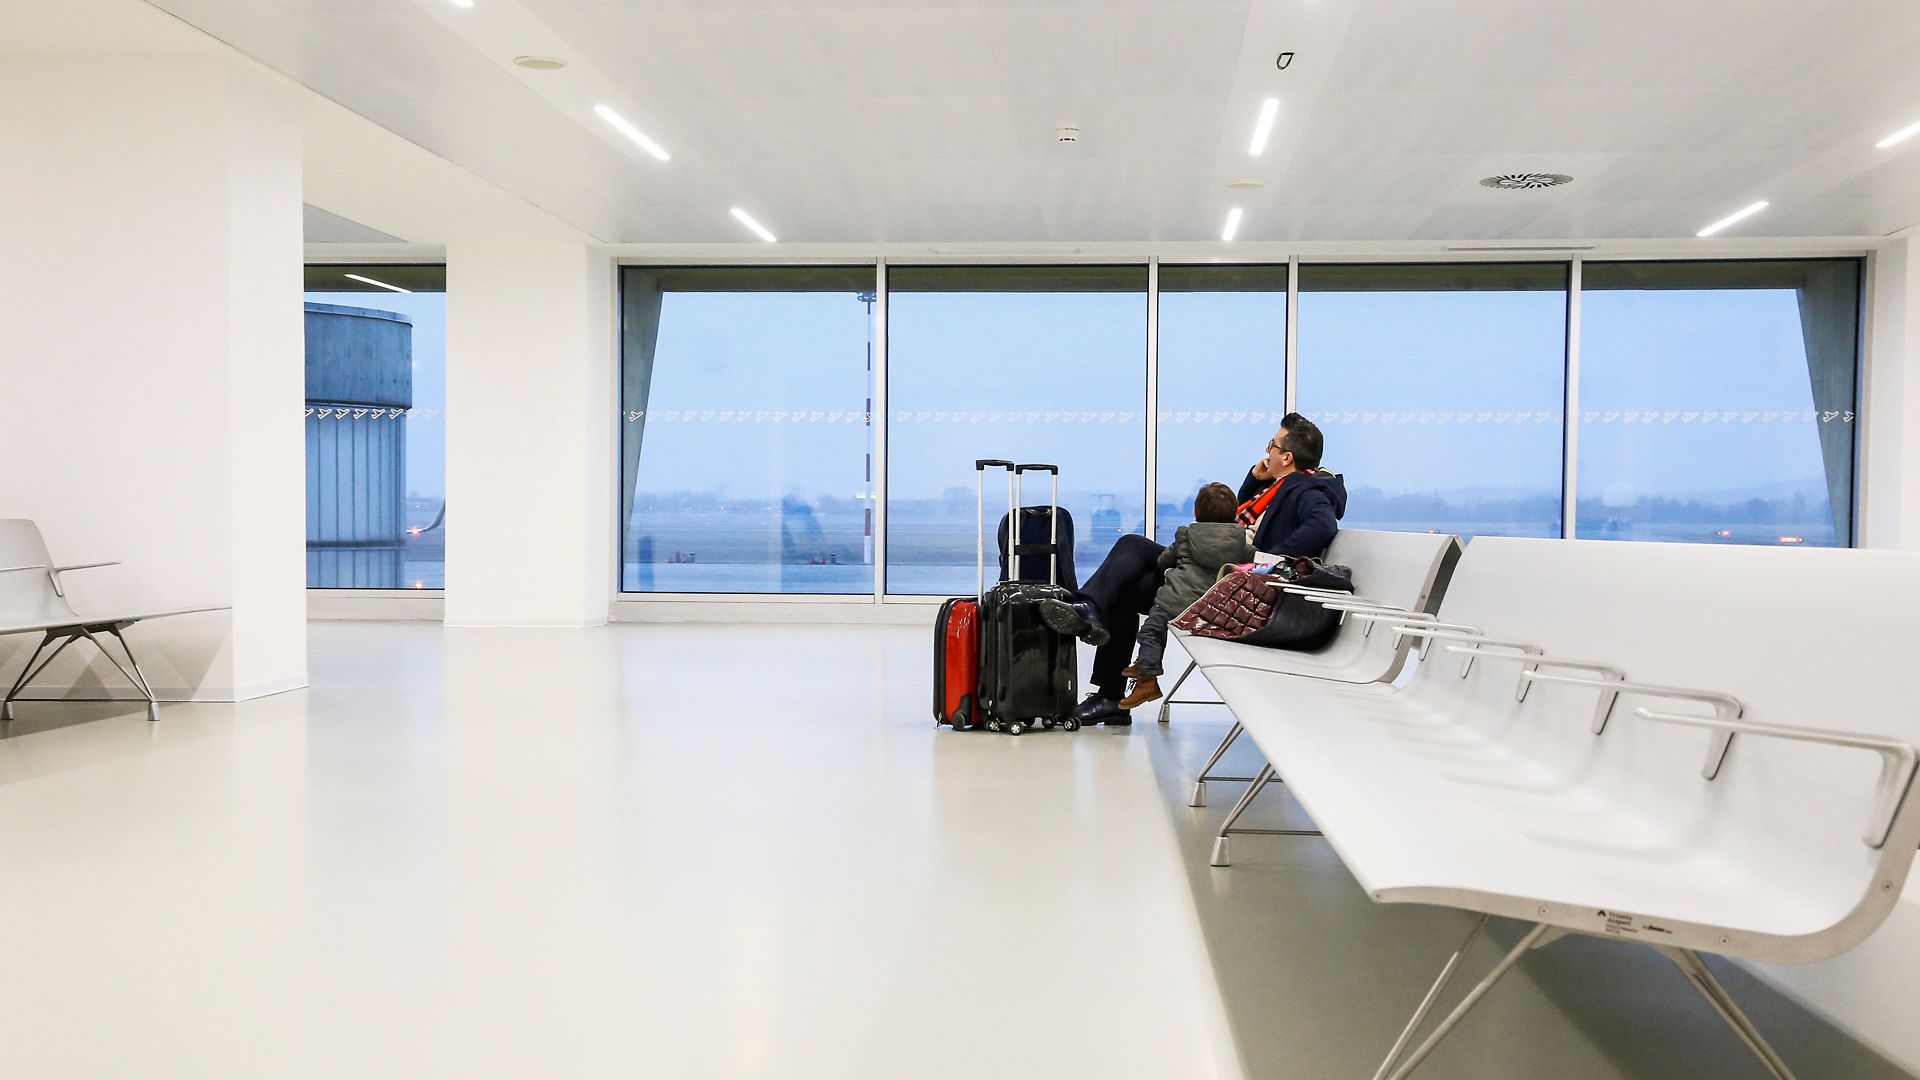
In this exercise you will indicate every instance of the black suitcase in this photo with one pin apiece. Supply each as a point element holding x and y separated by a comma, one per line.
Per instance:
<point>1028,672</point>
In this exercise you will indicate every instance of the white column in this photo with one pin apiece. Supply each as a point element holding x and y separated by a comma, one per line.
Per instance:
<point>153,374</point>
<point>1890,443</point>
<point>530,454</point>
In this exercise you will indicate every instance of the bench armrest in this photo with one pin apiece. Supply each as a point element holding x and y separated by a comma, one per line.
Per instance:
<point>1536,662</point>
<point>59,587</point>
<point>1419,625</point>
<point>1897,759</point>
<point>1429,632</point>
<point>1328,594</point>
<point>1725,706</point>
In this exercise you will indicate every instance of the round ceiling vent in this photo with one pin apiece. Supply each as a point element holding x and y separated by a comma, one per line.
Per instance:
<point>540,63</point>
<point>1526,181</point>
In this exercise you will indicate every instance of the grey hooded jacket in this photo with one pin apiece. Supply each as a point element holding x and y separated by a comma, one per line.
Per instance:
<point>1193,562</point>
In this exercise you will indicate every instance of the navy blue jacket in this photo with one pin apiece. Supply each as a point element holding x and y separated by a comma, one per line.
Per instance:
<point>1303,517</point>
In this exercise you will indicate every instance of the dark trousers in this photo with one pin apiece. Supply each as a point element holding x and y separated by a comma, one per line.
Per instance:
<point>1153,642</point>
<point>1122,588</point>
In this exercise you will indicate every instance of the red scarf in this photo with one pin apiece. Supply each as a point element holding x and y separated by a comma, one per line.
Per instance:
<point>1251,510</point>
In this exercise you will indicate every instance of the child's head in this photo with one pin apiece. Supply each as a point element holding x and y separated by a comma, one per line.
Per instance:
<point>1215,503</point>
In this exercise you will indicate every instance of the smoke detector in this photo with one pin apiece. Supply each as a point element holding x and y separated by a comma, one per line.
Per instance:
<point>1067,133</point>
<point>540,63</point>
<point>1526,181</point>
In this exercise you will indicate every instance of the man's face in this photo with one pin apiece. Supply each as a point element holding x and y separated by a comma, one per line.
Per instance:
<point>1278,461</point>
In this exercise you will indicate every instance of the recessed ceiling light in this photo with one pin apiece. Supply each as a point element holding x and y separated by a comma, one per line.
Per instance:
<point>1912,129</point>
<point>540,63</point>
<point>1233,224</point>
<point>621,125</point>
<point>1263,127</point>
<point>382,284</point>
<point>1739,215</point>
<point>747,219</point>
<point>1244,183</point>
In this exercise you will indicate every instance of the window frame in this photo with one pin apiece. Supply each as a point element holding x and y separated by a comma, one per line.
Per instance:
<point>1571,256</point>
<point>366,603</point>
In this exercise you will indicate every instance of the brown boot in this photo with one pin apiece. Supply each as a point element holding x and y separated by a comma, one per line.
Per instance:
<point>1132,671</point>
<point>1144,690</point>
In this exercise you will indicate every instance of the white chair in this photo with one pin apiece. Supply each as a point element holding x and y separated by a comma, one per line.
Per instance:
<point>1696,748</point>
<point>33,599</point>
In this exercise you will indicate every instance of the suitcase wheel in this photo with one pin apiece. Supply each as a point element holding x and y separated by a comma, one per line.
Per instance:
<point>1016,728</point>
<point>1070,723</point>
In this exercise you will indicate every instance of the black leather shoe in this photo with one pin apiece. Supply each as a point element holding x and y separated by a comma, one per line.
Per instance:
<point>1100,709</point>
<point>1078,619</point>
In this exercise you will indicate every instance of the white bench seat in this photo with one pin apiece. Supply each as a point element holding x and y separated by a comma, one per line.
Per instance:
<point>1449,815</point>
<point>1697,748</point>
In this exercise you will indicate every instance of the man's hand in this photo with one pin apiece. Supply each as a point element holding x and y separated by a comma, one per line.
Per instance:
<point>1260,470</point>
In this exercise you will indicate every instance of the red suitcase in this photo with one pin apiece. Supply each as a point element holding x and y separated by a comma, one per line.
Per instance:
<point>956,664</point>
<point>956,638</point>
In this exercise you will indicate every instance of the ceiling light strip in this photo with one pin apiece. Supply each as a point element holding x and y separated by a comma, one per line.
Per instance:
<point>1263,127</point>
<point>621,125</point>
<point>1233,224</point>
<point>759,230</point>
<point>1739,215</point>
<point>382,284</point>
<point>1898,136</point>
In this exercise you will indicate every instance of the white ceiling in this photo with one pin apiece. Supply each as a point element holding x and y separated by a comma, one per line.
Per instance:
<point>887,121</point>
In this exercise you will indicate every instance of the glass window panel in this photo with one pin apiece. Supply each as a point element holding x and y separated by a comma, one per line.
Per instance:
<point>1440,389</point>
<point>376,427</point>
<point>1717,401</point>
<point>1223,346</point>
<point>746,434</point>
<point>1042,364</point>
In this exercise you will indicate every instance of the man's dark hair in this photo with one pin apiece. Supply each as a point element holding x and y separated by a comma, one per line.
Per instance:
<point>1215,503</point>
<point>1303,441</point>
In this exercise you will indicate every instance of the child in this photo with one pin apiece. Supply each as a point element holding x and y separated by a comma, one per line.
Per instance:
<point>1215,539</point>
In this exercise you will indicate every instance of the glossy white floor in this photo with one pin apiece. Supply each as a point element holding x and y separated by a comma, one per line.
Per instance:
<point>637,851</point>
<point>649,851</point>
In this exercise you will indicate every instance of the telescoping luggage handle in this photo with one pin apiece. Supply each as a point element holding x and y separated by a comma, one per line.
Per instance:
<point>1015,548</point>
<point>980,468</point>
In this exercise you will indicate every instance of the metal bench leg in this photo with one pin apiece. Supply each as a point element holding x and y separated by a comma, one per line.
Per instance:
<point>1266,776</point>
<point>1433,995</point>
<point>1177,684</point>
<point>1220,839</point>
<point>1702,978</point>
<point>1200,785</point>
<point>137,677</point>
<point>27,673</point>
<point>1466,1004</point>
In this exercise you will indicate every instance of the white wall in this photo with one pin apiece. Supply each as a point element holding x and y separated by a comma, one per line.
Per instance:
<point>530,455</point>
<point>150,287</point>
<point>1869,991</point>
<point>1890,443</point>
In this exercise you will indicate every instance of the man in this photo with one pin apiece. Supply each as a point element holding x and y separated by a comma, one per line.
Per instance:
<point>1290,506</point>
